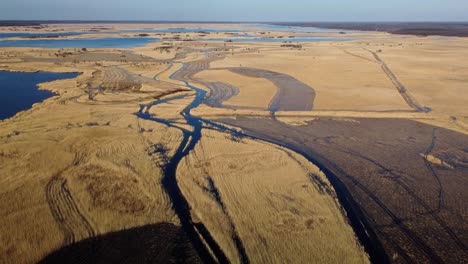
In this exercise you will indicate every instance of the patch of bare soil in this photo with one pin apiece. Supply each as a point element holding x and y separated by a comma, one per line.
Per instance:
<point>415,207</point>
<point>220,92</point>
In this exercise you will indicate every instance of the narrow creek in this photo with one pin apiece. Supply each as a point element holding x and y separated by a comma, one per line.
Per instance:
<point>169,181</point>
<point>181,206</point>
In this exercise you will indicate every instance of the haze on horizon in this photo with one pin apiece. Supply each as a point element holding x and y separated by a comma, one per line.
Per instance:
<point>240,10</point>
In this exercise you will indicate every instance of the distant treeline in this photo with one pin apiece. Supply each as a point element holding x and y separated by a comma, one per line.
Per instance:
<point>408,28</point>
<point>11,23</point>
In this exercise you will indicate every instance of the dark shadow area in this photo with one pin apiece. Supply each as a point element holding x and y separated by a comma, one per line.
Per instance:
<point>158,243</point>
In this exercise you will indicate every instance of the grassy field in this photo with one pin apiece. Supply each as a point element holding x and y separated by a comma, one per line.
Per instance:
<point>87,170</point>
<point>384,117</point>
<point>269,198</point>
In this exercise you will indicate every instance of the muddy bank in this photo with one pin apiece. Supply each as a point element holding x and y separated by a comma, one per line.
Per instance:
<point>219,93</point>
<point>159,243</point>
<point>292,94</point>
<point>415,205</point>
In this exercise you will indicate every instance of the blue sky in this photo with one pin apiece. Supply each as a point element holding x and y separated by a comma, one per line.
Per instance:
<point>238,10</point>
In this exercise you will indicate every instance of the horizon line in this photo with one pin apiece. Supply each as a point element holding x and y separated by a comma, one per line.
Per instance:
<point>232,21</point>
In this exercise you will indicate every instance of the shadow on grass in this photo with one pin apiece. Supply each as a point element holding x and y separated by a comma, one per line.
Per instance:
<point>159,243</point>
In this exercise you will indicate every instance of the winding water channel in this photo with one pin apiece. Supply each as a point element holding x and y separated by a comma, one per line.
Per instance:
<point>181,206</point>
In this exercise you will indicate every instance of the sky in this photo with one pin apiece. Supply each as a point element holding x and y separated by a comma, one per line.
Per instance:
<point>236,10</point>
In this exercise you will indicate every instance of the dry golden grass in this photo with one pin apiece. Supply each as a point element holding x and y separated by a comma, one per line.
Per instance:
<point>153,50</point>
<point>146,69</point>
<point>111,181</point>
<point>164,75</point>
<point>347,77</point>
<point>341,81</point>
<point>172,110</point>
<point>95,166</point>
<point>349,81</point>
<point>73,168</point>
<point>434,71</point>
<point>280,205</point>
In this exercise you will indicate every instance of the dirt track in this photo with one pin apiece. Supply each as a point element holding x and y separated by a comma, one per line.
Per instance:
<point>409,99</point>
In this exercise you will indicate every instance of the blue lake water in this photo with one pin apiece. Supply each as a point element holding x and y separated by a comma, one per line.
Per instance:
<point>80,43</point>
<point>65,34</point>
<point>19,91</point>
<point>121,42</point>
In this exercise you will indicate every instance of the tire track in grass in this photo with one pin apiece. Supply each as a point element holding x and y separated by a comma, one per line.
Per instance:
<point>66,213</point>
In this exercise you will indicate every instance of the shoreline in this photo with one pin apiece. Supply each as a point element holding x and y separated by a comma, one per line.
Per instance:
<point>40,87</point>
